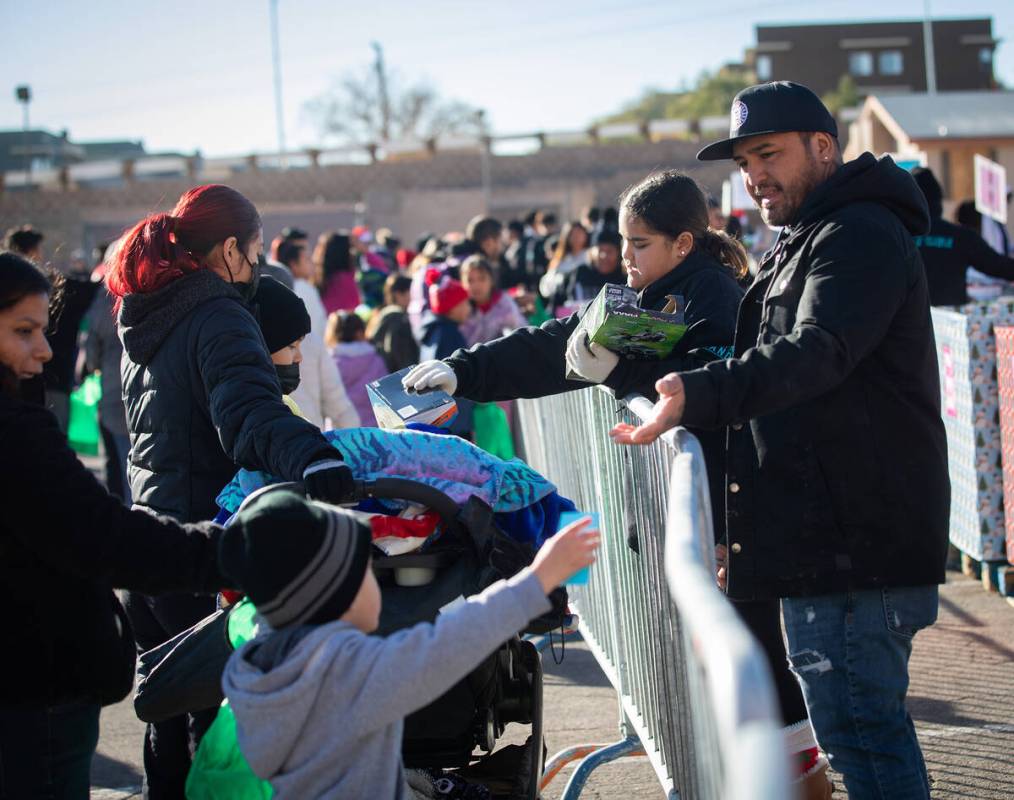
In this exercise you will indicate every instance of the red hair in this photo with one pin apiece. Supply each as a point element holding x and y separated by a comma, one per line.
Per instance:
<point>162,248</point>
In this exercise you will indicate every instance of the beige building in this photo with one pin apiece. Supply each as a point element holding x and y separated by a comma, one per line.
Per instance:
<point>942,131</point>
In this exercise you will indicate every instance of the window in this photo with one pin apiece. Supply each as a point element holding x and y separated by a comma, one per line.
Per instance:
<point>763,68</point>
<point>861,63</point>
<point>986,60</point>
<point>890,62</point>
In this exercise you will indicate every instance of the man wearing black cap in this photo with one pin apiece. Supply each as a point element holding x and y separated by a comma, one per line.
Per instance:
<point>837,494</point>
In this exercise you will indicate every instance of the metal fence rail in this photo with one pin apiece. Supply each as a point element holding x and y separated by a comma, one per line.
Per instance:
<point>693,688</point>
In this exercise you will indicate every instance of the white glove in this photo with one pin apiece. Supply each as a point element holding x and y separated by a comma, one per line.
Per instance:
<point>431,375</point>
<point>591,361</point>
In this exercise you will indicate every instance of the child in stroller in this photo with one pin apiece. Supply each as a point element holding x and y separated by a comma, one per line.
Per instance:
<point>319,704</point>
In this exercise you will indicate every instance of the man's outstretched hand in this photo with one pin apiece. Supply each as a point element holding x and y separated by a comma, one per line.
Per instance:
<point>667,413</point>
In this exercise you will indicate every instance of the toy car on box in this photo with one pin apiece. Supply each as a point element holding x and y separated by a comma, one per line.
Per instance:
<point>614,320</point>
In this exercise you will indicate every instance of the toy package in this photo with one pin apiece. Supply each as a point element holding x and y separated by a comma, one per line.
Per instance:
<point>395,406</point>
<point>615,321</point>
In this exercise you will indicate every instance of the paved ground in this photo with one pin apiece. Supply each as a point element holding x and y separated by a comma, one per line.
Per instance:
<point>962,698</point>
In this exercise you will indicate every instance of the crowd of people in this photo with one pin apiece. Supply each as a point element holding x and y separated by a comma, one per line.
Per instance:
<point>217,352</point>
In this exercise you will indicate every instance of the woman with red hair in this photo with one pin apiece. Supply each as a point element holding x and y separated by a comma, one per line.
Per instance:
<point>202,399</point>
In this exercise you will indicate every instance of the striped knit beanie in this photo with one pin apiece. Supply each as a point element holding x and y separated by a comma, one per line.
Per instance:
<point>299,561</point>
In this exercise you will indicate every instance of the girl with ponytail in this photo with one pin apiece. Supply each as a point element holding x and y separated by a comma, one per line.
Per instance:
<point>668,249</point>
<point>202,400</point>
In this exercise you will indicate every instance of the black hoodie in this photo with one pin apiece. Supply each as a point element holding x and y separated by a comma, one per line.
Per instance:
<point>530,362</point>
<point>948,250</point>
<point>837,460</point>
<point>203,398</point>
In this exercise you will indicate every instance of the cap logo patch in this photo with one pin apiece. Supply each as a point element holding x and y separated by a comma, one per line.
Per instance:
<point>738,114</point>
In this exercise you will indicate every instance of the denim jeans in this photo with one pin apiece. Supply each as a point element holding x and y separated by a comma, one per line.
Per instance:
<point>46,753</point>
<point>850,653</point>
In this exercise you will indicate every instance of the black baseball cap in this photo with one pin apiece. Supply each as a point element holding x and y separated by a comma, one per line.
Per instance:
<point>777,107</point>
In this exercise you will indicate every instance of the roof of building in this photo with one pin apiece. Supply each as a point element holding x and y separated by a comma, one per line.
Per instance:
<point>952,114</point>
<point>40,144</point>
<point>857,23</point>
<point>98,151</point>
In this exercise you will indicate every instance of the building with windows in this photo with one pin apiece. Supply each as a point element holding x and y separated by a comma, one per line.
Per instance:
<point>880,57</point>
<point>41,150</point>
<point>943,131</point>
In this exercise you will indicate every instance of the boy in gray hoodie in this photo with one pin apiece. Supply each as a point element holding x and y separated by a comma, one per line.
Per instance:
<point>319,703</point>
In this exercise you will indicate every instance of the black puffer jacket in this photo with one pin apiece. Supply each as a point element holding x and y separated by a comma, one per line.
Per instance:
<point>837,464</point>
<point>64,541</point>
<point>531,362</point>
<point>203,398</point>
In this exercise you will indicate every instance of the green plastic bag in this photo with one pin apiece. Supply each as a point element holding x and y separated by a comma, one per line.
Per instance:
<point>219,770</point>
<point>83,427</point>
<point>492,433</point>
<point>539,313</point>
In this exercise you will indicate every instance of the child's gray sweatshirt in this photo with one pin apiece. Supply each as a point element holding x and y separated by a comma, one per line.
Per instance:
<point>325,720</point>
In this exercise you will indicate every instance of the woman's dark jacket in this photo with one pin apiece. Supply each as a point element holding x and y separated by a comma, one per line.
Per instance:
<point>64,541</point>
<point>203,398</point>
<point>837,462</point>
<point>76,297</point>
<point>530,362</point>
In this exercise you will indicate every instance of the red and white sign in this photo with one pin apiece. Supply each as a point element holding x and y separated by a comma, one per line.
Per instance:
<point>990,189</point>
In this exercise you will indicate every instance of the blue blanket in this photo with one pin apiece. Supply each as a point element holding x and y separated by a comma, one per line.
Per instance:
<point>454,466</point>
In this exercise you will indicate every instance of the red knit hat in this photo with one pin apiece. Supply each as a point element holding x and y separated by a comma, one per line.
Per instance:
<point>445,293</point>
<point>404,257</point>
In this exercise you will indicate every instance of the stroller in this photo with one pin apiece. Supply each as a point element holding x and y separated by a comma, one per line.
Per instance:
<point>467,554</point>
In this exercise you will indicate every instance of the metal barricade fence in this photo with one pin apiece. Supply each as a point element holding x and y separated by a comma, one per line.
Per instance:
<point>693,687</point>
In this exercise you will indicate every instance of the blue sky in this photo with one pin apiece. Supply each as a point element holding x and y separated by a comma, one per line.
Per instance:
<point>196,74</point>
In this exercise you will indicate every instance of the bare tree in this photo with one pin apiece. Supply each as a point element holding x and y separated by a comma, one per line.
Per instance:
<point>373,105</point>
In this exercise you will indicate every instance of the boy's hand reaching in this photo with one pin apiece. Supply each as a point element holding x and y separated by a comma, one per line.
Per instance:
<point>570,550</point>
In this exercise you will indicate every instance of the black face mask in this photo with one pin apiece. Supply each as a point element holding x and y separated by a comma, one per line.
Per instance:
<point>248,289</point>
<point>288,376</point>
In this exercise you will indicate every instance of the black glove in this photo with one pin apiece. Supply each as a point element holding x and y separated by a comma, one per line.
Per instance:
<point>329,480</point>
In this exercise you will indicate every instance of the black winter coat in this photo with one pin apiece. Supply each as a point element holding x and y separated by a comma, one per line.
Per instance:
<point>947,251</point>
<point>837,460</point>
<point>76,298</point>
<point>64,541</point>
<point>203,398</point>
<point>530,362</point>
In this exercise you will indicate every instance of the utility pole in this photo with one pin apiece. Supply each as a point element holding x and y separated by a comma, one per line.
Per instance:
<point>927,43</point>
<point>385,101</point>
<point>24,95</point>
<point>484,160</point>
<point>277,62</point>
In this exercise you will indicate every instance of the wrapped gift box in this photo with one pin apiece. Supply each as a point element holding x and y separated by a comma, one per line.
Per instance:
<point>970,404</point>
<point>1005,374</point>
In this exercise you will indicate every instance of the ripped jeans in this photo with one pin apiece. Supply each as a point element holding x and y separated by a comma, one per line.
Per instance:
<point>850,653</point>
